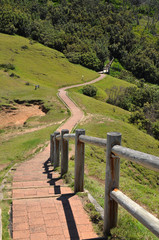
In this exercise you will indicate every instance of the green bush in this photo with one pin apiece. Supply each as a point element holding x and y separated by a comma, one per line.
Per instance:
<point>89,90</point>
<point>155,129</point>
<point>7,66</point>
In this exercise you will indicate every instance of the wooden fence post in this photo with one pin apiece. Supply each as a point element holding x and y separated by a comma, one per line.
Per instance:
<point>79,162</point>
<point>64,152</point>
<point>52,148</point>
<point>111,182</point>
<point>56,150</point>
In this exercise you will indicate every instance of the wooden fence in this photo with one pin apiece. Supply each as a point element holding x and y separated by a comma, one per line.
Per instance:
<point>114,150</point>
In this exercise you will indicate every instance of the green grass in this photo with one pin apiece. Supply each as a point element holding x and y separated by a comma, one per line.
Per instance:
<point>34,64</point>
<point>128,227</point>
<point>141,30</point>
<point>21,147</point>
<point>116,68</point>
<point>5,207</point>
<point>106,84</point>
<point>48,68</point>
<point>37,65</point>
<point>21,68</point>
<point>137,182</point>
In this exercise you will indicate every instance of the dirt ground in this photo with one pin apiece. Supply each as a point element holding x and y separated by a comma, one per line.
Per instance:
<point>18,114</point>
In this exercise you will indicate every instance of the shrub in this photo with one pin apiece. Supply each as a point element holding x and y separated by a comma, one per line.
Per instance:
<point>138,118</point>
<point>155,129</point>
<point>89,90</point>
<point>7,66</point>
<point>24,47</point>
<point>14,75</point>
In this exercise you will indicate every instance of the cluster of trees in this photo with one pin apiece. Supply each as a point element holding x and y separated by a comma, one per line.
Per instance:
<point>89,90</point>
<point>142,102</point>
<point>88,31</point>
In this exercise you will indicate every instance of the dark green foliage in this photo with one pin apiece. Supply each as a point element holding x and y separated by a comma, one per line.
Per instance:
<point>155,129</point>
<point>143,102</point>
<point>89,90</point>
<point>127,76</point>
<point>7,66</point>
<point>14,75</point>
<point>89,32</point>
<point>138,118</point>
<point>27,83</point>
<point>13,20</point>
<point>132,98</point>
<point>24,47</point>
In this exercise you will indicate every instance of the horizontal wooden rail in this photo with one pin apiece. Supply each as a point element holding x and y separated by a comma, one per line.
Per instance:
<point>58,137</point>
<point>59,142</point>
<point>144,159</point>
<point>69,136</point>
<point>147,219</point>
<point>93,140</point>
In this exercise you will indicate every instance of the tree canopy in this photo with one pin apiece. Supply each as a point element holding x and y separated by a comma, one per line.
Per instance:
<point>89,32</point>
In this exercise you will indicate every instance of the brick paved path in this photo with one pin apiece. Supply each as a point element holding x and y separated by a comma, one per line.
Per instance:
<point>76,113</point>
<point>43,207</point>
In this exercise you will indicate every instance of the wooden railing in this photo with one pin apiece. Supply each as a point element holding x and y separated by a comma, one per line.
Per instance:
<point>114,150</point>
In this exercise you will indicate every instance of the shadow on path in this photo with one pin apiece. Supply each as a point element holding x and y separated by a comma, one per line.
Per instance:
<point>52,181</point>
<point>64,198</point>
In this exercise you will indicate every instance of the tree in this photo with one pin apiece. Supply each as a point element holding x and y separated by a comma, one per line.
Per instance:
<point>89,90</point>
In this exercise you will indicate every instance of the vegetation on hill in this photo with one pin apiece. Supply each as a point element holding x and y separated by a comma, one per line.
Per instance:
<point>32,64</point>
<point>142,101</point>
<point>137,182</point>
<point>90,32</point>
<point>24,64</point>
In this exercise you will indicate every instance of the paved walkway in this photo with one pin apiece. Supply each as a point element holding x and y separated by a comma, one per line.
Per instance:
<point>43,206</point>
<point>76,113</point>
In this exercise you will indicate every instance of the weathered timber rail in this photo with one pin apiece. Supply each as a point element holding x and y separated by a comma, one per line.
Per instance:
<point>114,150</point>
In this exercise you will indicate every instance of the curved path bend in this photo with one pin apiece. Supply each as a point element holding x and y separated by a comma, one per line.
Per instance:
<point>43,207</point>
<point>76,113</point>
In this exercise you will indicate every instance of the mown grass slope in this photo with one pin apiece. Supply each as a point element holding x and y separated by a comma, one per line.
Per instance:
<point>24,64</point>
<point>137,182</point>
<point>35,64</point>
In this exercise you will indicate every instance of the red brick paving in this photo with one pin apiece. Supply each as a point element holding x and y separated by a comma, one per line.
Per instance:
<point>43,207</point>
<point>76,113</point>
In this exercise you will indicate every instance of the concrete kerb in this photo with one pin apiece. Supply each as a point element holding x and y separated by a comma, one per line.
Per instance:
<point>96,205</point>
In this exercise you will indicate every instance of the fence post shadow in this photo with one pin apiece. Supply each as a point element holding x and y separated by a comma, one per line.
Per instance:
<point>71,224</point>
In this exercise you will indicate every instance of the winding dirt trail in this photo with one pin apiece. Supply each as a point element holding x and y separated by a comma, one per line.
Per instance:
<point>76,113</point>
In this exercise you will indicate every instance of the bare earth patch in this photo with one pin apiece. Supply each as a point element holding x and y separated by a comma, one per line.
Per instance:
<point>14,117</point>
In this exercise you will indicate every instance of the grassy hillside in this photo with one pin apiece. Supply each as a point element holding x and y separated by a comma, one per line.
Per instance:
<point>24,64</point>
<point>137,182</point>
<point>89,32</point>
<point>35,64</point>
